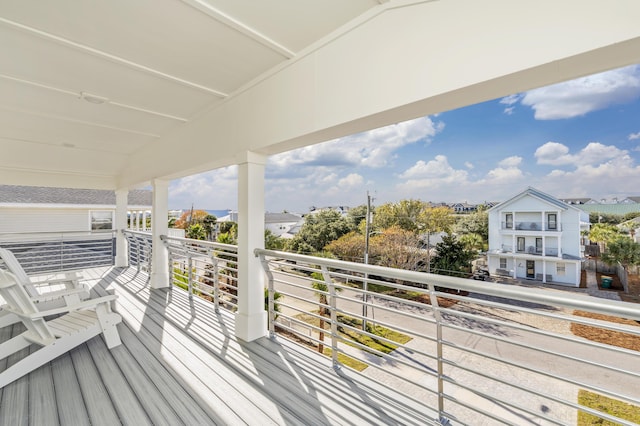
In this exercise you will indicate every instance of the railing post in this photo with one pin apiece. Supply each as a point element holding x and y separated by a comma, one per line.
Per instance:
<point>216,280</point>
<point>190,274</point>
<point>438,317</point>
<point>334,315</point>
<point>271,311</point>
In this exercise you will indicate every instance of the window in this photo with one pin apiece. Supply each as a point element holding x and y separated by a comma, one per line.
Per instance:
<point>101,220</point>
<point>560,268</point>
<point>509,221</point>
<point>520,243</point>
<point>552,221</point>
<point>538,245</point>
<point>503,263</point>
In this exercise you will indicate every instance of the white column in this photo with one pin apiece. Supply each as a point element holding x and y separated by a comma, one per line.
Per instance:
<point>251,318</point>
<point>144,220</point>
<point>122,260</point>
<point>159,226</point>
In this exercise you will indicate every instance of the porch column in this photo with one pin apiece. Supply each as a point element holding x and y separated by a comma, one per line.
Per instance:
<point>159,226</point>
<point>144,220</point>
<point>251,318</point>
<point>122,260</point>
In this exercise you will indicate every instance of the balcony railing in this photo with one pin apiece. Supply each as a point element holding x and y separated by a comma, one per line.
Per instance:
<point>548,251</point>
<point>474,350</point>
<point>48,252</point>
<point>533,226</point>
<point>469,349</point>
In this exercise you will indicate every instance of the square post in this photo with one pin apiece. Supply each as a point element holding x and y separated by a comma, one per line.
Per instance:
<point>251,318</point>
<point>159,226</point>
<point>122,258</point>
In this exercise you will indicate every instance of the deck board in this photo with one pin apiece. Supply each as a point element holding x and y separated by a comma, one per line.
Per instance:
<point>180,363</point>
<point>71,407</point>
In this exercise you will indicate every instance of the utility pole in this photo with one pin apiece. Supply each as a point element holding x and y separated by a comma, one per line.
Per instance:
<point>367,231</point>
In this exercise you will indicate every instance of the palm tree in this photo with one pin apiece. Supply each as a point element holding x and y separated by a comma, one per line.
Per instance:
<point>622,250</point>
<point>321,290</point>
<point>276,307</point>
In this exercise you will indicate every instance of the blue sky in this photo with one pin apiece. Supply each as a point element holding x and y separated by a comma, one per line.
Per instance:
<point>574,139</point>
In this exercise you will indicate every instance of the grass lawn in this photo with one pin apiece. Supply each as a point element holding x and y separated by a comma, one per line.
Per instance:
<point>355,337</point>
<point>606,405</point>
<point>347,360</point>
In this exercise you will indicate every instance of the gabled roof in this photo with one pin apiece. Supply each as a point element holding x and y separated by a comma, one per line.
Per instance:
<point>15,194</point>
<point>576,200</point>
<point>281,217</point>
<point>536,194</point>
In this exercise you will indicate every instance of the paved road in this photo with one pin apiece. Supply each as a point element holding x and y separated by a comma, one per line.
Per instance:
<point>578,371</point>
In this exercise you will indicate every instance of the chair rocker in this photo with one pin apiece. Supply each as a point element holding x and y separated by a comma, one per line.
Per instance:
<point>80,322</point>
<point>72,293</point>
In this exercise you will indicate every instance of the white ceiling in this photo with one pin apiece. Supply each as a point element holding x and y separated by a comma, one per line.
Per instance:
<point>159,63</point>
<point>193,84</point>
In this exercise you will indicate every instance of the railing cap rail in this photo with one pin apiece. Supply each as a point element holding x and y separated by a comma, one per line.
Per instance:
<point>536,295</point>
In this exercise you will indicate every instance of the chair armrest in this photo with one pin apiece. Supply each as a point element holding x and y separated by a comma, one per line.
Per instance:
<point>58,294</point>
<point>69,278</point>
<point>86,304</point>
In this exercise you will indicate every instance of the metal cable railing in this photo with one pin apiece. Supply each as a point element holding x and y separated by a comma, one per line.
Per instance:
<point>475,350</point>
<point>48,252</point>
<point>206,269</point>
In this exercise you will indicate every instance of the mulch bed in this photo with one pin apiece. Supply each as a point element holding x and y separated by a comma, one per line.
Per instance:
<point>609,337</point>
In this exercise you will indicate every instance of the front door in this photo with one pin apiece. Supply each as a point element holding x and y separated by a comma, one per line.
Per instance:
<point>531,269</point>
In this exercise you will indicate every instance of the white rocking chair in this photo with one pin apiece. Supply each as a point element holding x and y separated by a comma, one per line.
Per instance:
<point>72,293</point>
<point>81,322</point>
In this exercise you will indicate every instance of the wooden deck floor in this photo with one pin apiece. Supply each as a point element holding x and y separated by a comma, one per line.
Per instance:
<point>181,364</point>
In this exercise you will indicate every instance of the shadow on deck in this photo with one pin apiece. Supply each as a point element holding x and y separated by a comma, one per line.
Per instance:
<point>180,363</point>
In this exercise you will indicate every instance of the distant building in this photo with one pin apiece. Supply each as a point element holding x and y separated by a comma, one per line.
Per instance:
<point>30,209</point>
<point>538,237</point>
<point>282,223</point>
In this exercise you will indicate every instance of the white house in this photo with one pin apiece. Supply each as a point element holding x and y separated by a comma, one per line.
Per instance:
<point>31,209</point>
<point>536,236</point>
<point>282,223</point>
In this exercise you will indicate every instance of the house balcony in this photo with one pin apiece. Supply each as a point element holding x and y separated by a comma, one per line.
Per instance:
<point>463,351</point>
<point>531,226</point>
<point>530,250</point>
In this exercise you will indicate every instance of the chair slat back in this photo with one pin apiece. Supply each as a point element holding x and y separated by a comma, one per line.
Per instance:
<point>18,300</point>
<point>16,269</point>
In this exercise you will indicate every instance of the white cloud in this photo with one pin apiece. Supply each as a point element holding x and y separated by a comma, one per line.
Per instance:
<point>468,165</point>
<point>512,161</point>
<point>216,189</point>
<point>350,181</point>
<point>557,154</point>
<point>436,169</point>
<point>584,95</point>
<point>634,136</point>
<point>373,149</point>
<point>509,111</point>
<point>511,99</point>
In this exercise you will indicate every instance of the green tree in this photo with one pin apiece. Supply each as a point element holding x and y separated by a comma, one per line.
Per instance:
<point>349,247</point>
<point>196,232</point>
<point>622,250</point>
<point>321,288</point>
<point>607,218</point>
<point>272,242</point>
<point>397,248</point>
<point>318,230</point>
<point>452,258</point>
<point>472,241</point>
<point>436,219</point>
<point>603,234</point>
<point>226,238</point>
<point>405,214</point>
<point>474,223</point>
<point>356,217</point>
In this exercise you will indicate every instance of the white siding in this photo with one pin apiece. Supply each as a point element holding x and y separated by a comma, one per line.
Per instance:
<point>22,220</point>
